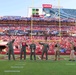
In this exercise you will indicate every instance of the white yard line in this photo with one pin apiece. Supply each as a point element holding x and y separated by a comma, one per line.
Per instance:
<point>16,66</point>
<point>70,64</point>
<point>20,64</point>
<point>12,71</point>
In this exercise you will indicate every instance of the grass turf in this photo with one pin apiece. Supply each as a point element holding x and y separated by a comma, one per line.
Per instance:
<point>38,67</point>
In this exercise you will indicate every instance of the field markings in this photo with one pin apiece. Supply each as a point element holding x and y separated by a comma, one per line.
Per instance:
<point>70,64</point>
<point>12,71</point>
<point>16,66</point>
<point>20,64</point>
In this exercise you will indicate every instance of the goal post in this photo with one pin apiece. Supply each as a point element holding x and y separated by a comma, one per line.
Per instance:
<point>59,24</point>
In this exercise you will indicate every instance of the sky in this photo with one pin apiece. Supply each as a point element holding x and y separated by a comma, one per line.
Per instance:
<point>20,7</point>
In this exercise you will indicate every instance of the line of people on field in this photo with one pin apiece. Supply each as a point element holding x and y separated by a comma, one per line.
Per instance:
<point>33,50</point>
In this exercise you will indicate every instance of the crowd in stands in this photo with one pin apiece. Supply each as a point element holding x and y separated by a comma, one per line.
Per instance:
<point>51,39</point>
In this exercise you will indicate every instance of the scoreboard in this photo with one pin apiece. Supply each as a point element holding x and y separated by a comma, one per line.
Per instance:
<point>34,12</point>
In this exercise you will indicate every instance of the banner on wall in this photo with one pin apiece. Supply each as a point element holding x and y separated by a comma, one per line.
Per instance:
<point>47,5</point>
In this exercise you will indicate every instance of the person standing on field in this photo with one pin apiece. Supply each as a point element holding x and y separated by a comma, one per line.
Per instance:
<point>10,49</point>
<point>33,49</point>
<point>44,49</point>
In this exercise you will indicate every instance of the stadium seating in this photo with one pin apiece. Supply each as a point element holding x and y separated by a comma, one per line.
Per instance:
<point>64,40</point>
<point>39,31</point>
<point>64,13</point>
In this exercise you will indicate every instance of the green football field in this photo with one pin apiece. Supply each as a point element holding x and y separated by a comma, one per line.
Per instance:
<point>38,67</point>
